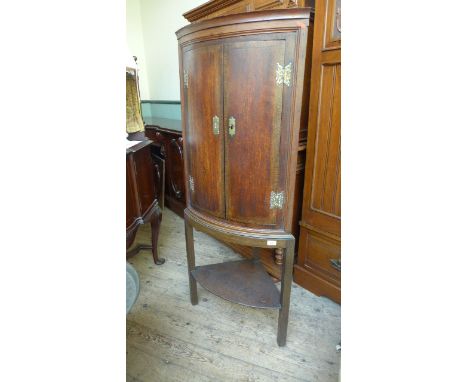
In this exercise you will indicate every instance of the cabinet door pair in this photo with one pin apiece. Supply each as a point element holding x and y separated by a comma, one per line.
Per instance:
<point>237,113</point>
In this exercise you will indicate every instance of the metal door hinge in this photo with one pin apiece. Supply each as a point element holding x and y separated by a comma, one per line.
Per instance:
<point>283,74</point>
<point>185,78</point>
<point>276,200</point>
<point>215,125</point>
<point>191,183</point>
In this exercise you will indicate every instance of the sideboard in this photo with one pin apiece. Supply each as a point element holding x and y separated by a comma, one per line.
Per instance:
<point>143,192</point>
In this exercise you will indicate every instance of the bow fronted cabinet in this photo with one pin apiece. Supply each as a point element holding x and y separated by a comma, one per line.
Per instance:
<point>244,98</point>
<point>253,76</point>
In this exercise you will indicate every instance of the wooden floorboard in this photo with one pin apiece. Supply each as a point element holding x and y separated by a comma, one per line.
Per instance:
<point>149,366</point>
<point>168,339</point>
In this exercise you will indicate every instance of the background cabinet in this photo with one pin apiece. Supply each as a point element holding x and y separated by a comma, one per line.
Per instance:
<point>144,180</point>
<point>319,260</point>
<point>166,135</point>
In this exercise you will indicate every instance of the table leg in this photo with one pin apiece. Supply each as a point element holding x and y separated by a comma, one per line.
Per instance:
<point>155,225</point>
<point>286,280</point>
<point>191,262</point>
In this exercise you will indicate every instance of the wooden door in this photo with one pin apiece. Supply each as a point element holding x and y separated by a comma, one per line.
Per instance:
<point>319,261</point>
<point>202,66</point>
<point>253,111</point>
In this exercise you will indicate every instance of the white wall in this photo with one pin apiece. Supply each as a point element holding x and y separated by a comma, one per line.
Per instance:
<point>135,43</point>
<point>159,63</point>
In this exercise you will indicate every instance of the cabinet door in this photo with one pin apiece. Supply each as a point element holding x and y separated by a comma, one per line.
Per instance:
<point>133,208</point>
<point>253,108</point>
<point>144,175</point>
<point>202,68</point>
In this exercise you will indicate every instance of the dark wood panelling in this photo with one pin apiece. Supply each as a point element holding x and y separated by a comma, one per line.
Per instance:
<point>327,165</point>
<point>320,233</point>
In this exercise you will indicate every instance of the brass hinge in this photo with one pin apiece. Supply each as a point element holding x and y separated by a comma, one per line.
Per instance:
<point>191,183</point>
<point>185,78</point>
<point>283,74</point>
<point>276,200</point>
<point>215,125</point>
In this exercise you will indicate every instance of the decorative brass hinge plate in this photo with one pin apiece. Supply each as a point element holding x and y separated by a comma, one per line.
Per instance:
<point>191,183</point>
<point>185,78</point>
<point>215,125</point>
<point>276,200</point>
<point>283,74</point>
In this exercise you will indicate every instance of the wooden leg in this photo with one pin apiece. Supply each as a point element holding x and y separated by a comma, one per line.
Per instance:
<point>191,262</point>
<point>155,225</point>
<point>286,280</point>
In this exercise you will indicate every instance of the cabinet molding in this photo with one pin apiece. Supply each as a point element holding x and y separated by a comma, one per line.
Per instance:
<point>217,8</point>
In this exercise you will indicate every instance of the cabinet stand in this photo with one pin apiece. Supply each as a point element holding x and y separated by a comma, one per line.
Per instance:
<point>244,282</point>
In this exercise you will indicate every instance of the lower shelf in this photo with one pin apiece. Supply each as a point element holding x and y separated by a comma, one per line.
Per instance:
<point>244,282</point>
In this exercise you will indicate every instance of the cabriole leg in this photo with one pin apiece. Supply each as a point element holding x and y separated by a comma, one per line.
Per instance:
<point>286,280</point>
<point>191,262</point>
<point>155,226</point>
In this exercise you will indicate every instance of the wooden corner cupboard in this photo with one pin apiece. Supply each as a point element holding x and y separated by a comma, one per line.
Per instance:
<point>243,105</point>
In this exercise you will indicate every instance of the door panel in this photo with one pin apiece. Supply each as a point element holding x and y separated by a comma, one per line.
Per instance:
<point>253,97</point>
<point>133,209</point>
<point>205,150</point>
<point>324,209</point>
<point>144,178</point>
